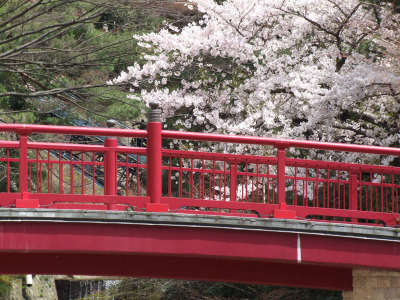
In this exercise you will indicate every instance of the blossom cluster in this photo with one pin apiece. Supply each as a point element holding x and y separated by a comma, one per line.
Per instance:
<point>314,69</point>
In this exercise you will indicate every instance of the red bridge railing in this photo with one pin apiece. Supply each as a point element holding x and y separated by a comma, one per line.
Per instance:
<point>70,175</point>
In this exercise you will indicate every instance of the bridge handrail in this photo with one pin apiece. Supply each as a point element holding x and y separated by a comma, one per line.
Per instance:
<point>27,129</point>
<point>278,142</point>
<point>349,188</point>
<point>206,155</point>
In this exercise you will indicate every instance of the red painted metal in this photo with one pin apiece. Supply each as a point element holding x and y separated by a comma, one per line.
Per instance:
<point>27,129</point>
<point>281,176</point>
<point>188,268</point>
<point>344,252</point>
<point>23,166</point>
<point>211,253</point>
<point>154,158</point>
<point>278,142</point>
<point>118,177</point>
<point>24,201</point>
<point>282,212</point>
<point>154,185</point>
<point>233,183</point>
<point>190,252</point>
<point>110,166</point>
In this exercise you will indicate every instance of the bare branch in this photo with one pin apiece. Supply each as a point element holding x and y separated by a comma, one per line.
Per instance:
<point>8,12</point>
<point>39,2</point>
<point>25,21</point>
<point>57,91</point>
<point>43,37</point>
<point>40,30</point>
<point>346,20</point>
<point>337,6</point>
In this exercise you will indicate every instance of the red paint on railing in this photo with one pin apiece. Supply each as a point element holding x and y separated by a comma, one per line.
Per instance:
<point>154,159</point>
<point>23,165</point>
<point>110,168</point>
<point>154,162</point>
<point>110,176</point>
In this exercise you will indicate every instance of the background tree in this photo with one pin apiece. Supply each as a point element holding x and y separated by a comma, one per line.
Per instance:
<point>58,54</point>
<point>320,70</point>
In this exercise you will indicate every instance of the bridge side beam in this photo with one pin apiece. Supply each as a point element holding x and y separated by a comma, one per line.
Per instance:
<point>188,268</point>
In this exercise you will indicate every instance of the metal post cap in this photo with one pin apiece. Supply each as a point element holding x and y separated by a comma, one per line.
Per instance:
<point>154,105</point>
<point>111,123</point>
<point>154,113</point>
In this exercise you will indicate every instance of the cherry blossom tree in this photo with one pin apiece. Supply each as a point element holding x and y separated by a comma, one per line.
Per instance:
<point>317,69</point>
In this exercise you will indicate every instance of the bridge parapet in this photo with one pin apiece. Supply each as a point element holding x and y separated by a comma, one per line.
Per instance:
<point>302,227</point>
<point>165,245</point>
<point>153,178</point>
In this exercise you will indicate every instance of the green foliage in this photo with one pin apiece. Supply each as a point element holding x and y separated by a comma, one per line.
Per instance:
<point>5,286</point>
<point>66,51</point>
<point>370,49</point>
<point>394,3</point>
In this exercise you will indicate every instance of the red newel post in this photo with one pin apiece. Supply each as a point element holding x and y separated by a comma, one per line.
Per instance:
<point>282,212</point>
<point>154,160</point>
<point>24,201</point>
<point>110,168</point>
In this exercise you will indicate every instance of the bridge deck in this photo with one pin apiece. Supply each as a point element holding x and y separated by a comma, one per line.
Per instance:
<point>165,245</point>
<point>303,227</point>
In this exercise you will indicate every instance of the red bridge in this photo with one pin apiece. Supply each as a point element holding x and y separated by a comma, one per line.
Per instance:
<point>78,208</point>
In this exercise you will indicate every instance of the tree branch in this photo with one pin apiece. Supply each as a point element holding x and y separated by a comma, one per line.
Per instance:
<point>42,38</point>
<point>57,91</point>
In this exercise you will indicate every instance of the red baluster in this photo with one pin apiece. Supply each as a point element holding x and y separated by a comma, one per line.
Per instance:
<point>233,182</point>
<point>353,181</point>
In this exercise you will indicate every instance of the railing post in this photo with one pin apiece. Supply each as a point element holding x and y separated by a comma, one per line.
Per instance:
<point>233,182</point>
<point>23,164</point>
<point>281,155</point>
<point>282,212</point>
<point>24,201</point>
<point>353,190</point>
<point>154,160</point>
<point>110,168</point>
